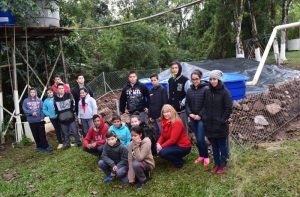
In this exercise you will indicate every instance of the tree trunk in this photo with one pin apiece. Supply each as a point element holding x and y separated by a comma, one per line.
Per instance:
<point>238,25</point>
<point>275,42</point>
<point>254,31</point>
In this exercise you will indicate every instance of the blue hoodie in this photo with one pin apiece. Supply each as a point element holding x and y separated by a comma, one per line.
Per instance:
<point>122,133</point>
<point>33,105</point>
<point>49,109</point>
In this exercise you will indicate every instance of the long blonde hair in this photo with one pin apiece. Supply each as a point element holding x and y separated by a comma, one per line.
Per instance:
<point>169,108</point>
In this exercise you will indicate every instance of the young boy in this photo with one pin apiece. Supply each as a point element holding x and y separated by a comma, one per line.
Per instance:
<point>114,159</point>
<point>121,130</point>
<point>95,139</point>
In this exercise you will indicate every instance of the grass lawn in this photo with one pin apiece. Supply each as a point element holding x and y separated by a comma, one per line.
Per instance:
<point>72,172</point>
<point>293,59</point>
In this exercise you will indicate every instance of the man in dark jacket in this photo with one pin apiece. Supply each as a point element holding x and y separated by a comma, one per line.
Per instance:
<point>178,86</point>
<point>76,90</point>
<point>135,97</point>
<point>158,97</point>
<point>64,107</point>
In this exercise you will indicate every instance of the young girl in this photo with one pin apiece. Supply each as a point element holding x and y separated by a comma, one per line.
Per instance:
<point>135,121</point>
<point>121,130</point>
<point>87,108</point>
<point>114,159</point>
<point>140,159</point>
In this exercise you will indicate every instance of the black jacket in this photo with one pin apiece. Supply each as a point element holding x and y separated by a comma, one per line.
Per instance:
<point>136,98</point>
<point>158,97</point>
<point>216,111</point>
<point>195,98</point>
<point>76,94</point>
<point>115,155</point>
<point>65,103</point>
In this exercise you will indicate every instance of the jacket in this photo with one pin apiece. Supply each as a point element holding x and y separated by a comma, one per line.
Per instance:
<point>90,108</point>
<point>123,133</point>
<point>158,97</point>
<point>195,98</point>
<point>76,94</point>
<point>216,111</point>
<point>135,97</point>
<point>115,155</point>
<point>49,109</point>
<point>177,92</point>
<point>173,134</point>
<point>96,135</point>
<point>140,152</point>
<point>33,105</point>
<point>67,88</point>
<point>63,104</point>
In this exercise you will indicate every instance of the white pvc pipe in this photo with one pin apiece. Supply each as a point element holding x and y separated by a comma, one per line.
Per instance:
<point>267,49</point>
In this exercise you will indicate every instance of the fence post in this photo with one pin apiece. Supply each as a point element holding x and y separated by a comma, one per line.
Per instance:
<point>104,82</point>
<point>117,106</point>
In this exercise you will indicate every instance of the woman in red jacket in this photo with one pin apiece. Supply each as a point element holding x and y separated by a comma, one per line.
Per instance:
<point>173,143</point>
<point>95,138</point>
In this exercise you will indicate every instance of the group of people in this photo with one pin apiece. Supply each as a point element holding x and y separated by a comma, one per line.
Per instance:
<point>126,149</point>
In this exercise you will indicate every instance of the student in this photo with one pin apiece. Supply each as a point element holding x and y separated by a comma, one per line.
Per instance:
<point>135,97</point>
<point>49,110</point>
<point>136,121</point>
<point>173,143</point>
<point>96,137</point>
<point>178,86</point>
<point>57,80</point>
<point>158,97</point>
<point>64,107</point>
<point>193,106</point>
<point>114,159</point>
<point>87,107</point>
<point>215,114</point>
<point>76,90</point>
<point>120,129</point>
<point>32,107</point>
<point>140,158</point>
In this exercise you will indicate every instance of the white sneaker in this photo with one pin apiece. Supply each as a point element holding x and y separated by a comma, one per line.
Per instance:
<point>60,146</point>
<point>72,145</point>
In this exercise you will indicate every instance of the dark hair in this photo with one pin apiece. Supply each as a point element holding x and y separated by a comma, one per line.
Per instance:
<point>197,72</point>
<point>84,89</point>
<point>56,76</point>
<point>32,88</point>
<point>49,89</point>
<point>138,130</point>
<point>60,84</point>
<point>176,62</point>
<point>154,75</point>
<point>96,116</point>
<point>131,72</point>
<point>110,134</point>
<point>136,116</point>
<point>79,75</point>
<point>115,117</point>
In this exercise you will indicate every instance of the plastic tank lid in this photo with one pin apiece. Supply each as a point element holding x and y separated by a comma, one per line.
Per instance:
<point>231,77</point>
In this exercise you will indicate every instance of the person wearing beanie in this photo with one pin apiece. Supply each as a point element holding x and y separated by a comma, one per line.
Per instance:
<point>32,108</point>
<point>178,86</point>
<point>215,114</point>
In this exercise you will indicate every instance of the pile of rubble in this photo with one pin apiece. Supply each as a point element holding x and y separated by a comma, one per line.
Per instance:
<point>257,118</point>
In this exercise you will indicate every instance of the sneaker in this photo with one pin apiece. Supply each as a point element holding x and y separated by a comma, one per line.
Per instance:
<point>72,145</point>
<point>214,169</point>
<point>66,146</point>
<point>140,185</point>
<point>221,170</point>
<point>39,149</point>
<point>198,160</point>
<point>107,179</point>
<point>48,149</point>
<point>206,162</point>
<point>60,146</point>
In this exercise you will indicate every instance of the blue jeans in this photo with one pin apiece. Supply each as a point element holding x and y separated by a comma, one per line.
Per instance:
<point>198,129</point>
<point>86,125</point>
<point>174,154</point>
<point>220,150</point>
<point>66,128</point>
<point>121,173</point>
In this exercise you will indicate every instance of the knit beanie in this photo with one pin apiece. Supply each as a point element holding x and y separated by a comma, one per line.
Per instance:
<point>216,74</point>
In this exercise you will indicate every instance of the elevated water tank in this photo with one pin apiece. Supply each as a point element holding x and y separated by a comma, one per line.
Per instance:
<point>6,18</point>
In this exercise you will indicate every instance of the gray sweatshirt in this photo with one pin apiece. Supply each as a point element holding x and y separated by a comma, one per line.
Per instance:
<point>90,108</point>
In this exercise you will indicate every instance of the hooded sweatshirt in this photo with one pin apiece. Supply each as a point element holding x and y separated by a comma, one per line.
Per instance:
<point>123,133</point>
<point>96,134</point>
<point>115,155</point>
<point>48,108</point>
<point>31,105</point>
<point>139,152</point>
<point>90,108</point>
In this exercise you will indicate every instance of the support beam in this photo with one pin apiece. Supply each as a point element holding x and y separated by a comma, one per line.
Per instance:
<point>1,103</point>
<point>63,60</point>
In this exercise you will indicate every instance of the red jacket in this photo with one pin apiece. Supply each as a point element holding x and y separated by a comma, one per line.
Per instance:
<point>173,134</point>
<point>96,135</point>
<point>67,88</point>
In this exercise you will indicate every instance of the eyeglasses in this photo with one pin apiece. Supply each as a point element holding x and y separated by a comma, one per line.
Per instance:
<point>195,79</point>
<point>212,79</point>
